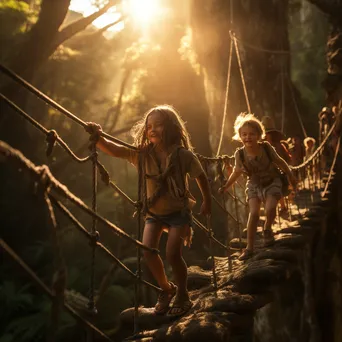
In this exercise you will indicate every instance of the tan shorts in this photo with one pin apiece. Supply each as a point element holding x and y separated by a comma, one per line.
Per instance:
<point>258,191</point>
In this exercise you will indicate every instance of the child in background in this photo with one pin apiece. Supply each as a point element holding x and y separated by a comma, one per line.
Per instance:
<point>297,150</point>
<point>167,159</point>
<point>309,144</point>
<point>261,163</point>
<point>276,139</point>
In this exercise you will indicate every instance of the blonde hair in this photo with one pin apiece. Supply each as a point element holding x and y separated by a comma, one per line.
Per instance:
<point>174,132</point>
<point>247,119</point>
<point>307,139</point>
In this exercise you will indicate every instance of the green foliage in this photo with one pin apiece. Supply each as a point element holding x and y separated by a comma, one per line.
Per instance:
<point>15,16</point>
<point>308,31</point>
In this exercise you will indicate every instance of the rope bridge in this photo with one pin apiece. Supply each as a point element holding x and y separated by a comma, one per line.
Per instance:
<point>308,173</point>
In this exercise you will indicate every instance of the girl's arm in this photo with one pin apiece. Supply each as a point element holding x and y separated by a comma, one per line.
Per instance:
<point>113,149</point>
<point>231,180</point>
<point>203,184</point>
<point>107,146</point>
<point>281,163</point>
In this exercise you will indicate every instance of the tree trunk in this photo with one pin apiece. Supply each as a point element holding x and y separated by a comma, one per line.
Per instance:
<point>333,80</point>
<point>261,31</point>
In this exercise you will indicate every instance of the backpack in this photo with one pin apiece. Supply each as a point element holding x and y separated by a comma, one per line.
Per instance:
<point>284,181</point>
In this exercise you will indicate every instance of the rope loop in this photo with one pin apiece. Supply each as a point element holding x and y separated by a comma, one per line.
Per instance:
<point>43,183</point>
<point>51,138</point>
<point>138,208</point>
<point>94,238</point>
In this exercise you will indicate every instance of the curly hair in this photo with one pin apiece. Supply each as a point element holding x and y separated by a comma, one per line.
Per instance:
<point>174,131</point>
<point>247,119</point>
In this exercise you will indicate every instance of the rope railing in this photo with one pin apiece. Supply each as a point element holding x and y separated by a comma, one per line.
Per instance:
<point>85,232</point>
<point>51,135</point>
<point>317,151</point>
<point>47,290</point>
<point>60,189</point>
<point>17,157</point>
<point>332,167</point>
<point>55,105</point>
<point>104,173</point>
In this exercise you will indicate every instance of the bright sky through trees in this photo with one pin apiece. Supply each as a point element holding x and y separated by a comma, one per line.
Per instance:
<point>141,11</point>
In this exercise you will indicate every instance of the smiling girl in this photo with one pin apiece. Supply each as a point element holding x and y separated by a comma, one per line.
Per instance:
<point>166,160</point>
<point>261,163</point>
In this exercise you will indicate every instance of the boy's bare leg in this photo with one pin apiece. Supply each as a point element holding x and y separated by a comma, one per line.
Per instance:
<point>151,237</point>
<point>252,223</point>
<point>174,256</point>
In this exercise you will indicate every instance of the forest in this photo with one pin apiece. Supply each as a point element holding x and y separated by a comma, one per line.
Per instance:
<point>109,61</point>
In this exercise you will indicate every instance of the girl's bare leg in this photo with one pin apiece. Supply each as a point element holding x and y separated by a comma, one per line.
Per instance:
<point>270,207</point>
<point>174,247</point>
<point>252,223</point>
<point>151,237</point>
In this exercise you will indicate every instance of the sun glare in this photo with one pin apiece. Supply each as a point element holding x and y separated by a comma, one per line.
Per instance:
<point>143,11</point>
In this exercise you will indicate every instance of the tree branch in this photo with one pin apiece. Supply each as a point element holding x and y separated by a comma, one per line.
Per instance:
<point>105,28</point>
<point>82,23</point>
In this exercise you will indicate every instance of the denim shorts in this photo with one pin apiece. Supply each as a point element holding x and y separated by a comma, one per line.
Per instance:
<point>176,219</point>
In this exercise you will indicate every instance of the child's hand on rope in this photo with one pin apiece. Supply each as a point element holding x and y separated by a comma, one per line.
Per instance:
<point>94,130</point>
<point>223,189</point>
<point>205,208</point>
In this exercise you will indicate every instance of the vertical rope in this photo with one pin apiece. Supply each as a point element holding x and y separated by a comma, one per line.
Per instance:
<point>59,279</point>
<point>226,97</point>
<point>94,238</point>
<point>332,166</point>
<point>237,216</point>
<point>220,166</point>
<point>296,107</point>
<point>141,183</point>
<point>231,3</point>
<point>210,235</point>
<point>241,71</point>
<point>282,93</point>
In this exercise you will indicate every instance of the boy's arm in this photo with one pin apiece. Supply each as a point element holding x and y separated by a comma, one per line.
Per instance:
<point>203,184</point>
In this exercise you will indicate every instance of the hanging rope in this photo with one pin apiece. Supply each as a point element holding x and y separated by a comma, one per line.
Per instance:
<point>232,36</point>
<point>94,232</point>
<point>282,74</point>
<point>332,166</point>
<point>296,106</point>
<point>210,234</point>
<point>226,97</point>
<point>275,52</point>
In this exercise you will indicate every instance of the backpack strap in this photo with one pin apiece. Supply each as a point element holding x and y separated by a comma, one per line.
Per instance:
<point>269,156</point>
<point>242,158</point>
<point>268,152</point>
